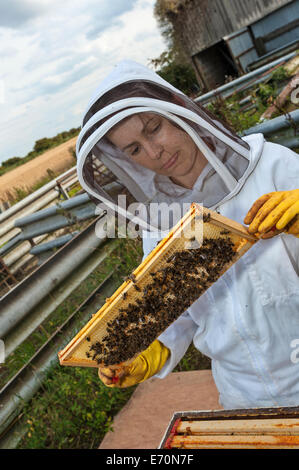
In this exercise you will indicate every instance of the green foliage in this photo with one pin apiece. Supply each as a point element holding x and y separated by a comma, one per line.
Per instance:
<point>265,92</point>
<point>11,161</point>
<point>269,90</point>
<point>20,194</point>
<point>173,64</point>
<point>230,112</point>
<point>42,144</point>
<point>74,411</point>
<point>279,75</point>
<point>181,76</point>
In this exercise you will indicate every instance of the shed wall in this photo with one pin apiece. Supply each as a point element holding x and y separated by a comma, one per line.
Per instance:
<point>202,23</point>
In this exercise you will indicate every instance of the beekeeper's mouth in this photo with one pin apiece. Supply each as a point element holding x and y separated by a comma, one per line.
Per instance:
<point>171,162</point>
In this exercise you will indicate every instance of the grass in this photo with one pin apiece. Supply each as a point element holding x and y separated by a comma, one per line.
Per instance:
<point>73,411</point>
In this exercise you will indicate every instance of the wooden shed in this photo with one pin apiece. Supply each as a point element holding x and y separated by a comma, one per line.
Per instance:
<point>222,37</point>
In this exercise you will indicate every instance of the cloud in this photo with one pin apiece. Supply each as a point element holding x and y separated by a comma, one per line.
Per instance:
<point>16,13</point>
<point>55,61</point>
<point>58,83</point>
<point>105,16</point>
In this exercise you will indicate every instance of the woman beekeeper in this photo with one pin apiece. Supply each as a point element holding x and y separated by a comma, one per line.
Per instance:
<point>166,148</point>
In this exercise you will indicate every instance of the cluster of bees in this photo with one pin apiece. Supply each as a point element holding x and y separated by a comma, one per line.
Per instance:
<point>172,289</point>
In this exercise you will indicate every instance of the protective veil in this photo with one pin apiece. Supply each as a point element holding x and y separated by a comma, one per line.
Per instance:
<point>131,89</point>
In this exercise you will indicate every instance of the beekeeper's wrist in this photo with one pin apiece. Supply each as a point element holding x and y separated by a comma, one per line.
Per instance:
<point>150,361</point>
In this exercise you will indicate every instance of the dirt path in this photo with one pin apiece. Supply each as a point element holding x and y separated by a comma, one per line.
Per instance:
<point>58,160</point>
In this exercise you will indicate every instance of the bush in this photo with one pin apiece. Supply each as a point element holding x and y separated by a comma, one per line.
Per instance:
<point>181,76</point>
<point>11,161</point>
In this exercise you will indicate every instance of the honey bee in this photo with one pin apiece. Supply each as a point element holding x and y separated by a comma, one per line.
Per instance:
<point>170,292</point>
<point>131,277</point>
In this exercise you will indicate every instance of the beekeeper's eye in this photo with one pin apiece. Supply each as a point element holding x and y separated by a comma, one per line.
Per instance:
<point>153,125</point>
<point>135,150</point>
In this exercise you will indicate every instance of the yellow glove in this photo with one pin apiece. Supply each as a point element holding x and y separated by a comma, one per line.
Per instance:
<point>273,213</point>
<point>147,364</point>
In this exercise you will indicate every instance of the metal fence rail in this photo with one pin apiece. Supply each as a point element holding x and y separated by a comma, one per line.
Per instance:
<point>34,299</point>
<point>281,130</point>
<point>54,187</point>
<point>22,387</point>
<point>33,229</point>
<point>245,81</point>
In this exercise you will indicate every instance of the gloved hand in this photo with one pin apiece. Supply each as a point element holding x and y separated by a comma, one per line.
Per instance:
<point>273,213</point>
<point>147,364</point>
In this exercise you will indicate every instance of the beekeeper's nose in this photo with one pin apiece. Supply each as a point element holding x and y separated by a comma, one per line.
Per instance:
<point>154,150</point>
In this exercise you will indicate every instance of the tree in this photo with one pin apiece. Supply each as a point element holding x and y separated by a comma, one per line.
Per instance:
<point>173,64</point>
<point>165,12</point>
<point>180,75</point>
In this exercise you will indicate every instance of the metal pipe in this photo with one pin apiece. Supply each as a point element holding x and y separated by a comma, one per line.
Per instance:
<point>48,220</point>
<point>44,214</point>
<point>24,248</point>
<point>18,302</point>
<point>274,125</point>
<point>44,309</point>
<point>56,222</point>
<point>11,243</point>
<point>229,86</point>
<point>44,201</point>
<point>291,142</point>
<point>28,380</point>
<point>55,243</point>
<point>32,197</point>
<point>20,263</point>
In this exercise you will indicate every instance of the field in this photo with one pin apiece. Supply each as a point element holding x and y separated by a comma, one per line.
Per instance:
<point>50,164</point>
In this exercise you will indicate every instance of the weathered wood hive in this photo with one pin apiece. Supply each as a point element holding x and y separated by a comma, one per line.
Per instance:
<point>195,253</point>
<point>260,428</point>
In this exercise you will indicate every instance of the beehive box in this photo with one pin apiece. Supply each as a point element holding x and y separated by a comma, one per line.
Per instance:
<point>260,428</point>
<point>195,253</point>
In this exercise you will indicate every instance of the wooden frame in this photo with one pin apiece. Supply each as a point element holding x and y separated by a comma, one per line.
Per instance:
<point>244,241</point>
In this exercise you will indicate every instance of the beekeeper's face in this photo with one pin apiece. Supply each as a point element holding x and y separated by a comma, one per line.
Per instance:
<point>155,143</point>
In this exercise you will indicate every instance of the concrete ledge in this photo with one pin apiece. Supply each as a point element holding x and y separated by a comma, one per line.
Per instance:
<point>141,424</point>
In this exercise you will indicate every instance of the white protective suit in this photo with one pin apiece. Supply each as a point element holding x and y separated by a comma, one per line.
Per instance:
<point>248,321</point>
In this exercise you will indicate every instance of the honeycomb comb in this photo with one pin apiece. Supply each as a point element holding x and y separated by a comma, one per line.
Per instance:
<point>194,254</point>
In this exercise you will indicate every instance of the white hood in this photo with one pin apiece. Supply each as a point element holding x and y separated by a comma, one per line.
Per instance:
<point>230,158</point>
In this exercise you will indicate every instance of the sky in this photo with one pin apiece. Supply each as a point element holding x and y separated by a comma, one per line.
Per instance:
<point>53,56</point>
